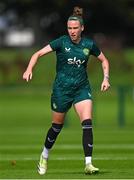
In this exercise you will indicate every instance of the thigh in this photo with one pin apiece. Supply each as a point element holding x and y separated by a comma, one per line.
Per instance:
<point>61,102</point>
<point>57,117</point>
<point>83,93</point>
<point>84,109</point>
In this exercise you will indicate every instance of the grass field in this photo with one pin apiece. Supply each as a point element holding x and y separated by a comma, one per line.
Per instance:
<point>24,120</point>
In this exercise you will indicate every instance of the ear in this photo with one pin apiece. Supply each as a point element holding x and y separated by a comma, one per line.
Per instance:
<point>82,28</point>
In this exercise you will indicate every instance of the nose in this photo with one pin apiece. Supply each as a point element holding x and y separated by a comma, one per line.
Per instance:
<point>72,31</point>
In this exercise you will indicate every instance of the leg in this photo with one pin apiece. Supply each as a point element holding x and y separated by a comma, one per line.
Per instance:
<point>57,124</point>
<point>59,105</point>
<point>57,117</point>
<point>84,110</point>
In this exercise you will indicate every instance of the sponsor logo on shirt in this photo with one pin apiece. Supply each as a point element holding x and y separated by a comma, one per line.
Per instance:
<point>76,61</point>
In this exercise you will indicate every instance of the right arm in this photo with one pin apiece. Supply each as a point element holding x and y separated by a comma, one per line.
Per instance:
<point>28,73</point>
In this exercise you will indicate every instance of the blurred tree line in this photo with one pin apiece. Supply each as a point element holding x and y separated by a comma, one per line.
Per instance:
<point>102,18</point>
<point>110,23</point>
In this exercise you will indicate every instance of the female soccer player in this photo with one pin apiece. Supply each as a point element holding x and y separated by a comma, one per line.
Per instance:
<point>71,85</point>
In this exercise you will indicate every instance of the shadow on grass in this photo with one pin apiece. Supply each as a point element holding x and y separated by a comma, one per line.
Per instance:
<point>78,172</point>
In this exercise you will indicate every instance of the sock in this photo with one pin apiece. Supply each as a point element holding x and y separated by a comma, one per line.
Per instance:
<point>52,135</point>
<point>45,152</point>
<point>87,140</point>
<point>88,160</point>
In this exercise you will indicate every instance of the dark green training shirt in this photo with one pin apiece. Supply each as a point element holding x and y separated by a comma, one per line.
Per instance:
<point>72,61</point>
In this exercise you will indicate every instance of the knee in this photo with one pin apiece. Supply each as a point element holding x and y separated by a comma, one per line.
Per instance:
<point>86,124</point>
<point>58,118</point>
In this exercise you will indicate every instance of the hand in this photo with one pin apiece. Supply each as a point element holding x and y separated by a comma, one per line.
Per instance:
<point>27,75</point>
<point>105,85</point>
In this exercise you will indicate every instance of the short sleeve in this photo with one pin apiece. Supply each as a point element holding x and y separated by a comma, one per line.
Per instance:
<point>56,44</point>
<point>95,50</point>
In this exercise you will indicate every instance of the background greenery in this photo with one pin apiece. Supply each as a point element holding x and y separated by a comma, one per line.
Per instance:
<point>25,117</point>
<point>14,61</point>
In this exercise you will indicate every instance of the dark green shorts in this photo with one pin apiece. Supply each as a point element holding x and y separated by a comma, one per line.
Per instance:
<point>61,101</point>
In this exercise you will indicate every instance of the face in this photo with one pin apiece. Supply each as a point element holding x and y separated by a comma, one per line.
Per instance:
<point>74,30</point>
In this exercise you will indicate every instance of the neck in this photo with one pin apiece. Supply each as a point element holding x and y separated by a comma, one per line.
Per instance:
<point>77,40</point>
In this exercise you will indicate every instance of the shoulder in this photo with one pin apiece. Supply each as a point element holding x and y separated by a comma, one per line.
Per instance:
<point>58,43</point>
<point>64,40</point>
<point>91,44</point>
<point>88,41</point>
<point>64,37</point>
<point>61,38</point>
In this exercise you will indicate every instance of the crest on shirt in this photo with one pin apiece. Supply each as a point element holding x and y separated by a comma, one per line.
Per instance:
<point>54,106</point>
<point>86,51</point>
<point>67,49</point>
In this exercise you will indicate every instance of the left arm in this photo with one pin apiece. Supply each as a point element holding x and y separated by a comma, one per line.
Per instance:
<point>105,66</point>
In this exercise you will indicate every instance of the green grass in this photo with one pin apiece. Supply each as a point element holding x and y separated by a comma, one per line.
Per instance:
<point>25,118</point>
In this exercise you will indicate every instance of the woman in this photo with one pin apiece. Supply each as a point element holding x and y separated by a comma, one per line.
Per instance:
<point>71,85</point>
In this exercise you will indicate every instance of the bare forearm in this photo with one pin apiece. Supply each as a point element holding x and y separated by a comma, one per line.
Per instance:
<point>33,61</point>
<point>38,54</point>
<point>28,73</point>
<point>105,67</point>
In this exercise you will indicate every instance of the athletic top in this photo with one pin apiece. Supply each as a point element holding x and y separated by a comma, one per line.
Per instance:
<point>72,61</point>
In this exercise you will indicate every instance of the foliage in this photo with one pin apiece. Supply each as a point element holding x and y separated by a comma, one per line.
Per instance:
<point>14,62</point>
